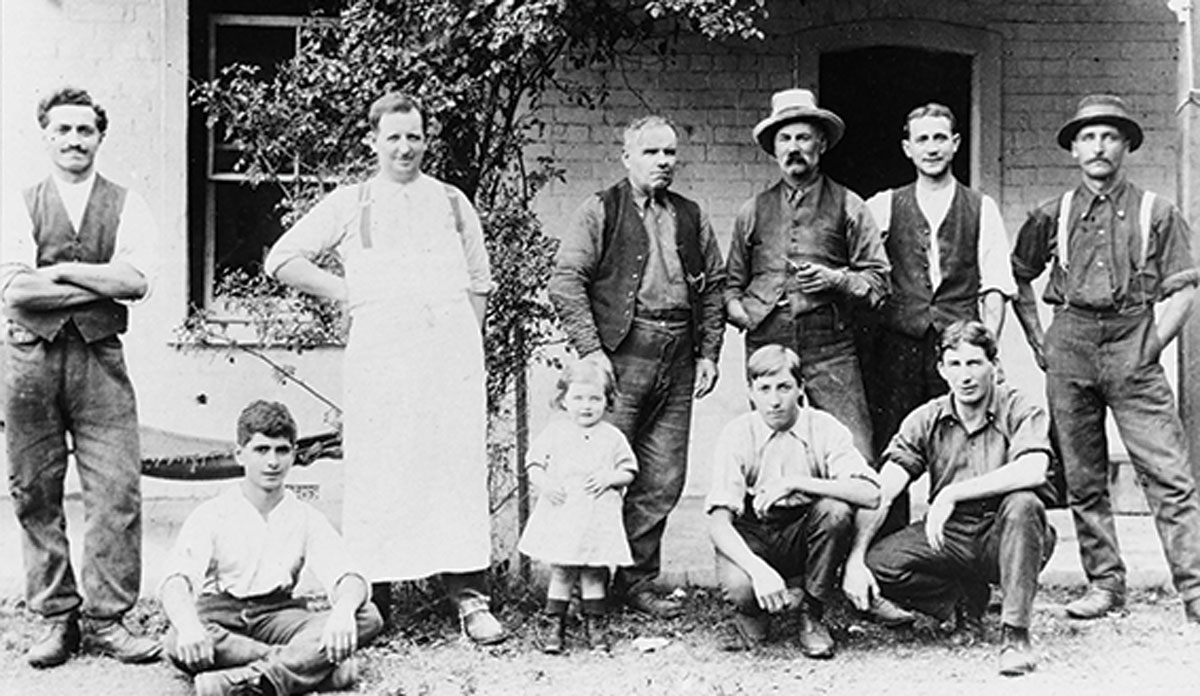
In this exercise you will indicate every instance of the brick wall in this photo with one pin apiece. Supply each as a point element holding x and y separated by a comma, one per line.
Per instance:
<point>1053,52</point>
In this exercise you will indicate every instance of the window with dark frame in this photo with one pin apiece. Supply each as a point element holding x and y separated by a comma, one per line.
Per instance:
<point>232,224</point>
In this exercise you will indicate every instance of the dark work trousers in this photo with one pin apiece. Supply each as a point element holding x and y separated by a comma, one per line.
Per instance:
<point>824,340</point>
<point>806,545</point>
<point>274,634</point>
<point>907,376</point>
<point>56,388</point>
<point>1099,361</point>
<point>1005,540</point>
<point>655,368</point>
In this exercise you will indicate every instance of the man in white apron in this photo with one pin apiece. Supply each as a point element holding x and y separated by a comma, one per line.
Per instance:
<point>416,286</point>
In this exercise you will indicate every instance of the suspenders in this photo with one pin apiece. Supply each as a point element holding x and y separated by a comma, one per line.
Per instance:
<point>364,213</point>
<point>1064,226</point>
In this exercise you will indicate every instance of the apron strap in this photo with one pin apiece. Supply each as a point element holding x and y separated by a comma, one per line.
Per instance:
<point>364,215</point>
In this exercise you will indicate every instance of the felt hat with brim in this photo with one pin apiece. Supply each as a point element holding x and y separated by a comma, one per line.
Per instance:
<point>793,105</point>
<point>1101,108</point>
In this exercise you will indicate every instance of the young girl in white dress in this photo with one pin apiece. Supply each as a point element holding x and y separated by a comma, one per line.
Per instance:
<point>580,466</point>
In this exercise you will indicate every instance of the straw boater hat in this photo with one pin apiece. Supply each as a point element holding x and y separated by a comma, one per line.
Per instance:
<point>1101,108</point>
<point>792,105</point>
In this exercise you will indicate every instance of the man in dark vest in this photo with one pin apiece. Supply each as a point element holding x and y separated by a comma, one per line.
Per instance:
<point>637,283</point>
<point>1122,283</point>
<point>73,255</point>
<point>804,253</point>
<point>949,256</point>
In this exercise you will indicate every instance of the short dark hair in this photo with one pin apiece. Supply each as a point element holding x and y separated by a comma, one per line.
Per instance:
<point>773,358</point>
<point>391,103</point>
<point>931,110</point>
<point>584,371</point>
<point>270,418</point>
<point>972,332</point>
<point>71,96</point>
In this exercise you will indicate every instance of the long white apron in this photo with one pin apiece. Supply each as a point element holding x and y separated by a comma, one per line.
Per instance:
<point>416,498</point>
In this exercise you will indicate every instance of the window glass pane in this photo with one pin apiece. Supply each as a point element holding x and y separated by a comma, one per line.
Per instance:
<point>245,225</point>
<point>263,46</point>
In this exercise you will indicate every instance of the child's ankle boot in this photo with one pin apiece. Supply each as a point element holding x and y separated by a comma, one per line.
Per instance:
<point>595,625</point>
<point>556,611</point>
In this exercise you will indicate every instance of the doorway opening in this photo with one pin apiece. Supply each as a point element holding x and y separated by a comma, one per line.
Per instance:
<point>873,89</point>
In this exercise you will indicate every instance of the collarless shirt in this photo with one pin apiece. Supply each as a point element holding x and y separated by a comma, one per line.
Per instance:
<point>934,440</point>
<point>1105,248</point>
<point>227,546</point>
<point>750,455</point>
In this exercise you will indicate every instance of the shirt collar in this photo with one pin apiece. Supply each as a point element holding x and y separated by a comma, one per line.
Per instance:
<point>641,198</point>
<point>1087,197</point>
<point>947,411</point>
<point>799,430</point>
<point>795,194</point>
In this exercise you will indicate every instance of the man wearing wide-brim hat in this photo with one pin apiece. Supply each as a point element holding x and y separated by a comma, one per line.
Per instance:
<point>1118,257</point>
<point>803,253</point>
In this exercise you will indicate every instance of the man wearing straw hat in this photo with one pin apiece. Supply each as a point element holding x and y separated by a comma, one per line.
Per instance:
<point>1121,284</point>
<point>803,252</point>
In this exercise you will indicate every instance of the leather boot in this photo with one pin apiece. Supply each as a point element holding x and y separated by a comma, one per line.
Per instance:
<point>60,640</point>
<point>1016,653</point>
<point>238,681</point>
<point>1095,603</point>
<point>111,638</point>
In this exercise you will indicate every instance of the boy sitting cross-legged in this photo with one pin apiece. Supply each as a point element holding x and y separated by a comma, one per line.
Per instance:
<point>228,585</point>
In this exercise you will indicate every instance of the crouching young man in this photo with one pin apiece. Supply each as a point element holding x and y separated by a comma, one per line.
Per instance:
<point>786,482</point>
<point>986,449</point>
<point>227,589</point>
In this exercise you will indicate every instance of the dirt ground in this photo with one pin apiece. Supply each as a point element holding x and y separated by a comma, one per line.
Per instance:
<point>1147,651</point>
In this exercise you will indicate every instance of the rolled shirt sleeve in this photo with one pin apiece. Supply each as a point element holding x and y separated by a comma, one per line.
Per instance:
<point>325,552</point>
<point>995,269</point>
<point>320,229</point>
<point>1177,270</point>
<point>192,554</point>
<point>137,235</point>
<point>732,460</point>
<point>908,446</point>
<point>17,249</point>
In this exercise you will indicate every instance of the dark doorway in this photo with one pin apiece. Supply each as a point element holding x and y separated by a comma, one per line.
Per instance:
<point>873,89</point>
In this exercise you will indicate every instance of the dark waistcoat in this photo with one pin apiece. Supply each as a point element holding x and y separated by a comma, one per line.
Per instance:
<point>914,306</point>
<point>625,249</point>
<point>57,242</point>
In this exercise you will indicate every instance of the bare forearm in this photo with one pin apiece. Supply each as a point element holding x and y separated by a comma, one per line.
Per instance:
<point>1025,472</point>
<point>856,491</point>
<point>991,311</point>
<point>1026,310</point>
<point>305,276</point>
<point>867,521</point>
<point>729,543</point>
<point>1173,313</point>
<point>33,290</point>
<point>118,280</point>
<point>349,594</point>
<point>178,603</point>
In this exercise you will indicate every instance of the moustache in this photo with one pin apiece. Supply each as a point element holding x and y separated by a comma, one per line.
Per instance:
<point>75,148</point>
<point>796,158</point>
